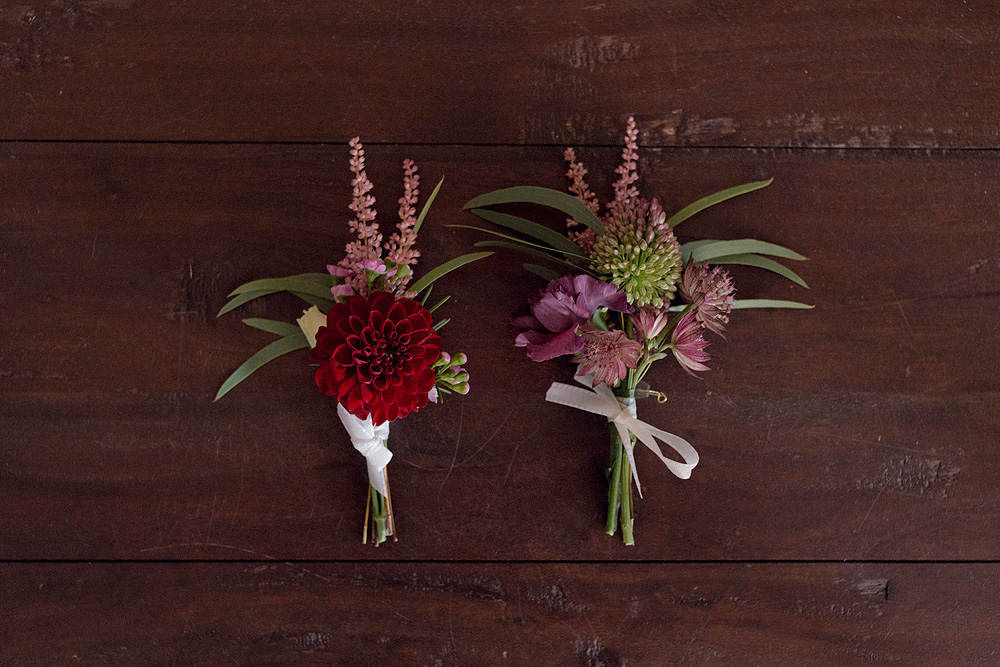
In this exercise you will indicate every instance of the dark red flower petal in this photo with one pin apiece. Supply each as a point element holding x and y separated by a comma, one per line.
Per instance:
<point>375,356</point>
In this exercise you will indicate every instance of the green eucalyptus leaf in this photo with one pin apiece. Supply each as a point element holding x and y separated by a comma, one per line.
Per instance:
<point>438,304</point>
<point>532,229</point>
<point>711,200</point>
<point>446,268</point>
<point>529,244</point>
<point>322,303</point>
<point>742,304</point>
<point>245,297</point>
<point>297,285</point>
<point>427,206</point>
<point>277,284</point>
<point>706,251</point>
<point>263,356</point>
<point>761,263</point>
<point>272,326</point>
<point>529,250</point>
<point>530,194</point>
<point>542,272</point>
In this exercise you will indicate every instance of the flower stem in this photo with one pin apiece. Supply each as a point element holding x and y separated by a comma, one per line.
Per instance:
<point>379,517</point>
<point>614,481</point>
<point>626,501</point>
<point>620,477</point>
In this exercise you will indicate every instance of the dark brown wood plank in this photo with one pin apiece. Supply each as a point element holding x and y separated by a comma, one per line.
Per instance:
<point>726,72</point>
<point>864,429</point>
<point>518,614</point>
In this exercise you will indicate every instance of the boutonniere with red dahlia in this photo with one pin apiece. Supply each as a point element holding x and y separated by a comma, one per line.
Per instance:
<point>627,294</point>
<point>373,338</point>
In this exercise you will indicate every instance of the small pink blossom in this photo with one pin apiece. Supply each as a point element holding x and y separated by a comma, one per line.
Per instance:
<point>607,355</point>
<point>688,344</point>
<point>649,321</point>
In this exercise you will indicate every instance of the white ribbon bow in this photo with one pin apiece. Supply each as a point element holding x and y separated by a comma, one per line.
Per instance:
<point>370,441</point>
<point>621,411</point>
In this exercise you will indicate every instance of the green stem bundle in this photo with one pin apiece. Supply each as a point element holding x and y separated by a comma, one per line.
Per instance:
<point>620,479</point>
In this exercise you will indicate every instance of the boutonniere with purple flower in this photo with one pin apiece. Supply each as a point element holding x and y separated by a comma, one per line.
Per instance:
<point>371,334</point>
<point>626,295</point>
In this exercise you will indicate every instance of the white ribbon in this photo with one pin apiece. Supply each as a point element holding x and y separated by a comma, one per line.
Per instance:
<point>621,411</point>
<point>370,441</point>
<point>366,438</point>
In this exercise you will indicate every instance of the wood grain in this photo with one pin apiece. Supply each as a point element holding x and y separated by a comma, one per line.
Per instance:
<point>725,73</point>
<point>502,614</point>
<point>864,429</point>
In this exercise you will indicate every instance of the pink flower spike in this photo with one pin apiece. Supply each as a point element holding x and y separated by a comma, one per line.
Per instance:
<point>688,344</point>
<point>400,245</point>
<point>607,355</point>
<point>627,174</point>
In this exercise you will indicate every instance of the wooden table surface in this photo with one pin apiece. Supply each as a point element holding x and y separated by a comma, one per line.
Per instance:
<point>155,155</point>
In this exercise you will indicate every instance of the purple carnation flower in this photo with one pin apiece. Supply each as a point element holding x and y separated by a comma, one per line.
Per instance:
<point>558,311</point>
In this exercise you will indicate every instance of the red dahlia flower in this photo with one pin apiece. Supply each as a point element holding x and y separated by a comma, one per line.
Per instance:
<point>375,355</point>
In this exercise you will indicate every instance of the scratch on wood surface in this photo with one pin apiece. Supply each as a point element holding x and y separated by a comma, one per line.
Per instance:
<point>593,653</point>
<point>591,53</point>
<point>914,475</point>
<point>30,33</point>
<point>876,588</point>
<point>681,128</point>
<point>196,297</point>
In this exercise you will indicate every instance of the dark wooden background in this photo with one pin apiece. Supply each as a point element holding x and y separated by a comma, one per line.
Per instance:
<point>155,155</point>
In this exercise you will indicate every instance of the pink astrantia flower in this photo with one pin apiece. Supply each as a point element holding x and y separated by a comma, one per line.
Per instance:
<point>556,313</point>
<point>649,321</point>
<point>711,290</point>
<point>607,355</point>
<point>688,344</point>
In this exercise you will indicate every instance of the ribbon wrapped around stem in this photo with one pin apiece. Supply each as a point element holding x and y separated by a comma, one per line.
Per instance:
<point>621,411</point>
<point>370,441</point>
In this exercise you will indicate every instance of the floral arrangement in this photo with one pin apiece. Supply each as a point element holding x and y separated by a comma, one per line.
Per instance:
<point>628,295</point>
<point>373,338</point>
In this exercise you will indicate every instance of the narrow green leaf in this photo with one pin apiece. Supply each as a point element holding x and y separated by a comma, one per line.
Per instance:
<point>532,251</point>
<point>438,304</point>
<point>299,285</point>
<point>240,299</point>
<point>272,326</point>
<point>761,263</point>
<point>427,206</point>
<point>446,268</point>
<point>707,251</point>
<point>541,271</point>
<point>529,228</point>
<point>437,326</point>
<point>711,200</point>
<point>740,304</point>
<point>320,302</point>
<point>427,295</point>
<point>264,355</point>
<point>743,304</point>
<point>276,283</point>
<point>515,239</point>
<point>530,194</point>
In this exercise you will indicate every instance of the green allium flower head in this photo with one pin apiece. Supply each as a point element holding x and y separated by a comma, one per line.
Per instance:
<point>639,253</point>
